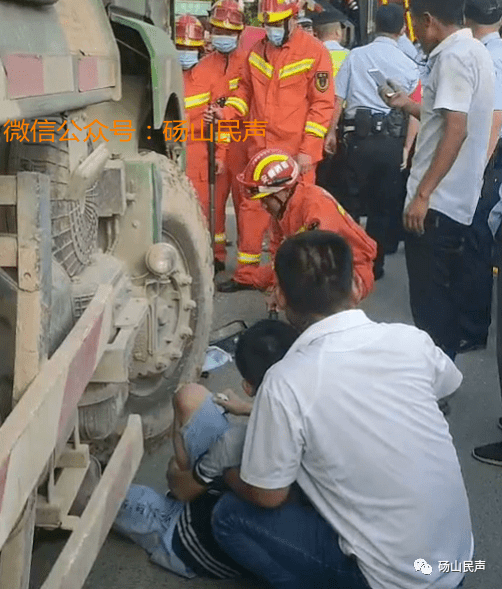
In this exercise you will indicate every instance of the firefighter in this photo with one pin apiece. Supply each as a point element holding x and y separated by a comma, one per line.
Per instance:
<point>223,69</point>
<point>287,84</point>
<point>272,179</point>
<point>198,95</point>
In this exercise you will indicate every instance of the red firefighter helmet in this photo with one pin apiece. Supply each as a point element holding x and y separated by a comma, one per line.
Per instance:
<point>226,14</point>
<point>268,172</point>
<point>270,11</point>
<point>189,31</point>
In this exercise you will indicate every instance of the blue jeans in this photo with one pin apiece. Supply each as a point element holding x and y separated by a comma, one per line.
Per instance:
<point>291,547</point>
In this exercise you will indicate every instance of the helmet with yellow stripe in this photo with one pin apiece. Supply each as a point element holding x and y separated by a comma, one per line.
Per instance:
<point>269,172</point>
<point>226,14</point>
<point>189,31</point>
<point>272,11</point>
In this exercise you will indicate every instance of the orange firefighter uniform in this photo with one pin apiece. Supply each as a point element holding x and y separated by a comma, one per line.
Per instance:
<point>311,207</point>
<point>223,72</point>
<point>290,88</point>
<point>199,93</point>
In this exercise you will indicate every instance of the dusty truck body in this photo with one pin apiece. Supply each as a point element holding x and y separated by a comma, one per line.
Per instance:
<point>105,264</point>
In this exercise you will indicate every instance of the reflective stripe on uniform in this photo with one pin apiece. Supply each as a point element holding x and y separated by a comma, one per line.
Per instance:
<point>276,157</point>
<point>197,100</point>
<point>297,67</point>
<point>233,84</point>
<point>243,258</point>
<point>302,229</point>
<point>220,238</point>
<point>238,104</point>
<point>337,58</point>
<point>315,129</point>
<point>260,64</point>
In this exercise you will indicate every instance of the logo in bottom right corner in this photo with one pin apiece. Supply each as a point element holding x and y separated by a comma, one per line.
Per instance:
<point>445,566</point>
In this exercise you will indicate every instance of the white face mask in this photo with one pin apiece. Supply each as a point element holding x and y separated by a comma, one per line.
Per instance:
<point>224,43</point>
<point>187,58</point>
<point>275,35</point>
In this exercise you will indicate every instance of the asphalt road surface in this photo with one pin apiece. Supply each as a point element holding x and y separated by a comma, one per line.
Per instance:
<point>475,408</point>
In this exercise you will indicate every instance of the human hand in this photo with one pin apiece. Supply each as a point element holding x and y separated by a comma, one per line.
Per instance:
<point>415,213</point>
<point>219,166</point>
<point>234,405</point>
<point>212,113</point>
<point>331,143</point>
<point>304,162</point>
<point>394,96</point>
<point>271,300</point>
<point>406,157</point>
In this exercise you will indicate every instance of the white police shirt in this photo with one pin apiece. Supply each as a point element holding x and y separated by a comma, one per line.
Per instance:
<point>407,47</point>
<point>351,413</point>
<point>493,43</point>
<point>462,80</point>
<point>355,85</point>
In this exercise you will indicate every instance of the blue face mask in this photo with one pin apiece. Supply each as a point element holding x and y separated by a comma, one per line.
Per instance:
<point>224,43</point>
<point>187,58</point>
<point>275,35</point>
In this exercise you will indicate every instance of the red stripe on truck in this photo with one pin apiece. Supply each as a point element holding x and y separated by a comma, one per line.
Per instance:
<point>25,75</point>
<point>88,74</point>
<point>81,369</point>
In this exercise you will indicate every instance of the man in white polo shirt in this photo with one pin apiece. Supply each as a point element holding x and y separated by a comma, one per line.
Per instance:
<point>351,415</point>
<point>448,166</point>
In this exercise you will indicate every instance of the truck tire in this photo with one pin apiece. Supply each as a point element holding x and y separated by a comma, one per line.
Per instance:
<point>74,227</point>
<point>185,227</point>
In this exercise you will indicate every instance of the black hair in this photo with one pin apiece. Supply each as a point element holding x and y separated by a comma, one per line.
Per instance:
<point>389,19</point>
<point>261,346</point>
<point>483,12</point>
<point>449,12</point>
<point>314,270</point>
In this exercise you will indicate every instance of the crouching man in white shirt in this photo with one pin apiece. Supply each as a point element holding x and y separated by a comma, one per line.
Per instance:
<point>351,414</point>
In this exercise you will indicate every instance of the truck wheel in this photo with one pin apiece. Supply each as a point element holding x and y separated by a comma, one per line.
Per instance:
<point>185,228</point>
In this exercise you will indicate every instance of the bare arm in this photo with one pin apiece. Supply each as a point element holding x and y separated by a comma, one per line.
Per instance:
<point>330,142</point>
<point>268,498</point>
<point>455,132</point>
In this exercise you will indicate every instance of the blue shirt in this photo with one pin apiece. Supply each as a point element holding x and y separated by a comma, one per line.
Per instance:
<point>407,47</point>
<point>355,85</point>
<point>493,43</point>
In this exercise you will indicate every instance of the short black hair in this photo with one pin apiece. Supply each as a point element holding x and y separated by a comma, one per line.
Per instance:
<point>389,19</point>
<point>314,270</point>
<point>449,12</point>
<point>483,12</point>
<point>261,346</point>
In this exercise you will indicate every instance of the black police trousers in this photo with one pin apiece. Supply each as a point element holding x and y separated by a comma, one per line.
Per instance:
<point>373,172</point>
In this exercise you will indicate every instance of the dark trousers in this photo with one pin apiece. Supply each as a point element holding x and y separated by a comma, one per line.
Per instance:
<point>374,178</point>
<point>498,253</point>
<point>332,176</point>
<point>434,262</point>
<point>477,277</point>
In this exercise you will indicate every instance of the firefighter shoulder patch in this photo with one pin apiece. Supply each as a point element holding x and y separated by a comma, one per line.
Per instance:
<point>322,81</point>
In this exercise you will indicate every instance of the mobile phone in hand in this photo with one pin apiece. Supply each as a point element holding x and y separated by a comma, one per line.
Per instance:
<point>381,81</point>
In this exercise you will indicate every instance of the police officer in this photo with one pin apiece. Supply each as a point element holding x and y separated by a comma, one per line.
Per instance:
<point>483,17</point>
<point>374,134</point>
<point>328,28</point>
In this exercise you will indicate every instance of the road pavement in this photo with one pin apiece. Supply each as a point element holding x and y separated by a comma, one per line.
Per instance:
<point>475,408</point>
